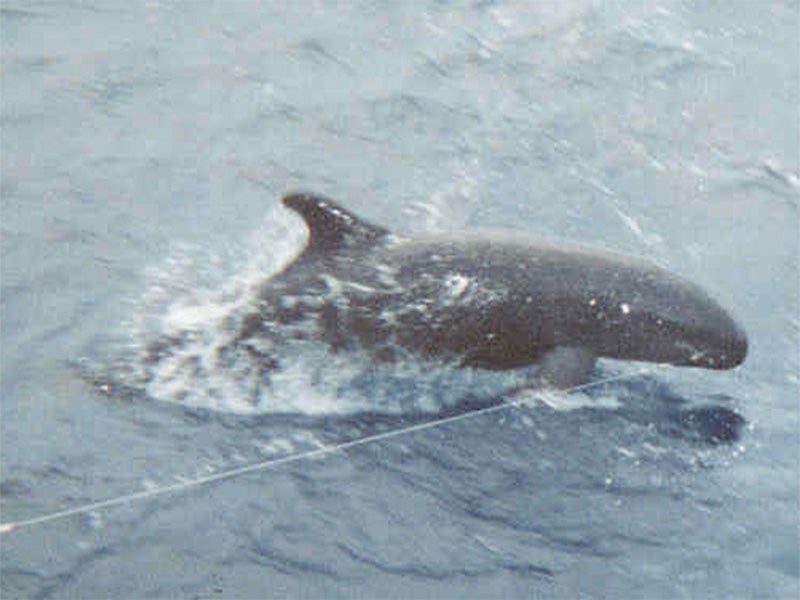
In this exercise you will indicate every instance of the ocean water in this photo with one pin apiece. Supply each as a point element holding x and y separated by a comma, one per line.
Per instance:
<point>143,150</point>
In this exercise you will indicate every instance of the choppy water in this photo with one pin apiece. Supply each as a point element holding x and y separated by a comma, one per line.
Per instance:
<point>133,135</point>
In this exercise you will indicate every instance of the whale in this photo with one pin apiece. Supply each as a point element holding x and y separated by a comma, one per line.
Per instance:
<point>493,299</point>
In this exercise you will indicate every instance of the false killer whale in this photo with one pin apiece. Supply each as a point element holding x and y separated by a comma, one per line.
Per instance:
<point>486,300</point>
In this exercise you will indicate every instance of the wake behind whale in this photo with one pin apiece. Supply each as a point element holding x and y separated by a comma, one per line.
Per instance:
<point>406,318</point>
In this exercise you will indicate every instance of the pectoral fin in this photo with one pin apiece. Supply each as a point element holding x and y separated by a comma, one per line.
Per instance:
<point>564,367</point>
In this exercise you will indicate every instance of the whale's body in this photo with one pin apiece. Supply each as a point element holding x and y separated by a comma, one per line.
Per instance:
<point>488,300</point>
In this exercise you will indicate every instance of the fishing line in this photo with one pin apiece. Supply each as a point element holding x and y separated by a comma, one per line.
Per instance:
<point>282,460</point>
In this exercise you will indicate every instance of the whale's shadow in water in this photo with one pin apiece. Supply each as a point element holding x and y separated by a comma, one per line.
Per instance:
<point>653,402</point>
<point>709,420</point>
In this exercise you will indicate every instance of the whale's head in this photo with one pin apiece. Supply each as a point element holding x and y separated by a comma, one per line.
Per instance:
<point>718,343</point>
<point>696,334</point>
<point>659,317</point>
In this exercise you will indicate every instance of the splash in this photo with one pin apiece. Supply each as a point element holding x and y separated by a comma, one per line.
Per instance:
<point>186,350</point>
<point>193,304</point>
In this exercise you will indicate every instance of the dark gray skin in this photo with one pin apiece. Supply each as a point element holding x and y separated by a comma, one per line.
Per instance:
<point>489,300</point>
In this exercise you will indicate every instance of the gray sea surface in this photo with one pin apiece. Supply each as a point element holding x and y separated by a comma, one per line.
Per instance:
<point>143,150</point>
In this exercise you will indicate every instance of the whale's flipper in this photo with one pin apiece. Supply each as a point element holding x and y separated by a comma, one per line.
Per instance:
<point>331,227</point>
<point>564,367</point>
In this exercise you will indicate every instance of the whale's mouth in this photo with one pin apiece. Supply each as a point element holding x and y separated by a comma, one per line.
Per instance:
<point>728,352</point>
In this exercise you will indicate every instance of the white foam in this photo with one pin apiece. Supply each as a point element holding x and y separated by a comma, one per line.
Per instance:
<point>196,299</point>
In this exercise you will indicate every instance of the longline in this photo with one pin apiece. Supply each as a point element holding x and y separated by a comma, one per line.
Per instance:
<point>274,462</point>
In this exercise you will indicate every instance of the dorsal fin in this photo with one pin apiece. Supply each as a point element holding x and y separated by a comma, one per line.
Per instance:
<point>331,227</point>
